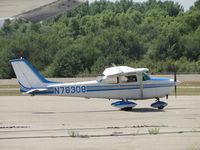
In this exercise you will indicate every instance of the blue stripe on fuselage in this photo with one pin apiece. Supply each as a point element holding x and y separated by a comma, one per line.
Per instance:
<point>129,87</point>
<point>159,79</point>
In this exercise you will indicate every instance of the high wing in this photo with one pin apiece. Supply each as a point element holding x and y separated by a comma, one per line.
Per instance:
<point>122,70</point>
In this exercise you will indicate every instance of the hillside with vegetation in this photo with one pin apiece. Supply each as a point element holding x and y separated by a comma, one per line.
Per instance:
<point>153,34</point>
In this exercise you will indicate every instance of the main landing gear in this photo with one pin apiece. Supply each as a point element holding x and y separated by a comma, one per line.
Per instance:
<point>159,104</point>
<point>124,105</point>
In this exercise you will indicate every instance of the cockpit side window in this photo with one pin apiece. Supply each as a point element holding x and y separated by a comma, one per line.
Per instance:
<point>145,76</point>
<point>112,80</point>
<point>132,78</point>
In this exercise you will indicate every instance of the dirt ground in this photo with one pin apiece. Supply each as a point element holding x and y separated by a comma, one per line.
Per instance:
<point>60,123</point>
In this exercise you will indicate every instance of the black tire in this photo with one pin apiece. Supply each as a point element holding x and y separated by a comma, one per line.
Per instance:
<point>160,107</point>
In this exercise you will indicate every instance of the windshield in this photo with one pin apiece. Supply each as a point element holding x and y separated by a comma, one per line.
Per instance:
<point>145,76</point>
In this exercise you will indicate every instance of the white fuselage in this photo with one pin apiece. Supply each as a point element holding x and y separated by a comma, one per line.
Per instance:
<point>154,88</point>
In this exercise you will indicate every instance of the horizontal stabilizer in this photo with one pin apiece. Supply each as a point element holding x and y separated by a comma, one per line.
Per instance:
<point>35,90</point>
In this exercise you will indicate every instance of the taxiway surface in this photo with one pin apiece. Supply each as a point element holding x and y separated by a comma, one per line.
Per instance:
<point>60,123</point>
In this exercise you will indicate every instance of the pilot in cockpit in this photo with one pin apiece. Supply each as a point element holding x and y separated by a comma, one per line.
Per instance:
<point>132,78</point>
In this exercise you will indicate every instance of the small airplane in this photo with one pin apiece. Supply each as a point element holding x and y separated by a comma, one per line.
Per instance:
<point>119,82</point>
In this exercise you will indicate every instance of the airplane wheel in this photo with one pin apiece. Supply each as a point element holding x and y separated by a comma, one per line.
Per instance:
<point>127,109</point>
<point>159,104</point>
<point>161,107</point>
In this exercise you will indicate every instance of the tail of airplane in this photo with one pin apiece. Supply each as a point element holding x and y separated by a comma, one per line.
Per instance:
<point>30,80</point>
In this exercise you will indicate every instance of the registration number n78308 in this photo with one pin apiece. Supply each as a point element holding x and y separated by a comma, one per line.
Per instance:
<point>70,89</point>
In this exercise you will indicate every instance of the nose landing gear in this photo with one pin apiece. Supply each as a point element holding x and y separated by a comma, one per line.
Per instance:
<point>159,104</point>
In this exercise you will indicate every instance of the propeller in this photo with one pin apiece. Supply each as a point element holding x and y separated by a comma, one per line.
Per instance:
<point>175,79</point>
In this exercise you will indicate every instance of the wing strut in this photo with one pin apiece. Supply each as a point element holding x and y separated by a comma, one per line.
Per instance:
<point>141,84</point>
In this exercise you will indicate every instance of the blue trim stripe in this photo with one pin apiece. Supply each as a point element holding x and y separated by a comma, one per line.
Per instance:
<point>24,89</point>
<point>101,88</point>
<point>39,92</point>
<point>111,87</point>
<point>159,79</point>
<point>130,87</point>
<point>157,85</point>
<point>94,90</point>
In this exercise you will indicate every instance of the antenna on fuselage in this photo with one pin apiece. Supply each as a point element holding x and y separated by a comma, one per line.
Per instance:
<point>113,65</point>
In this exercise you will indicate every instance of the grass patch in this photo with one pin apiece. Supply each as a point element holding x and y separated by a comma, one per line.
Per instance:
<point>9,86</point>
<point>190,83</point>
<point>187,91</point>
<point>154,131</point>
<point>74,134</point>
<point>9,90</point>
<point>10,93</point>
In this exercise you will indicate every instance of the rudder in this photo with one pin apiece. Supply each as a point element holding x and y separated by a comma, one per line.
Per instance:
<point>27,76</point>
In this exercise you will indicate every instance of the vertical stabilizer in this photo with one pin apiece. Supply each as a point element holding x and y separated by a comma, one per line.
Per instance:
<point>27,76</point>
